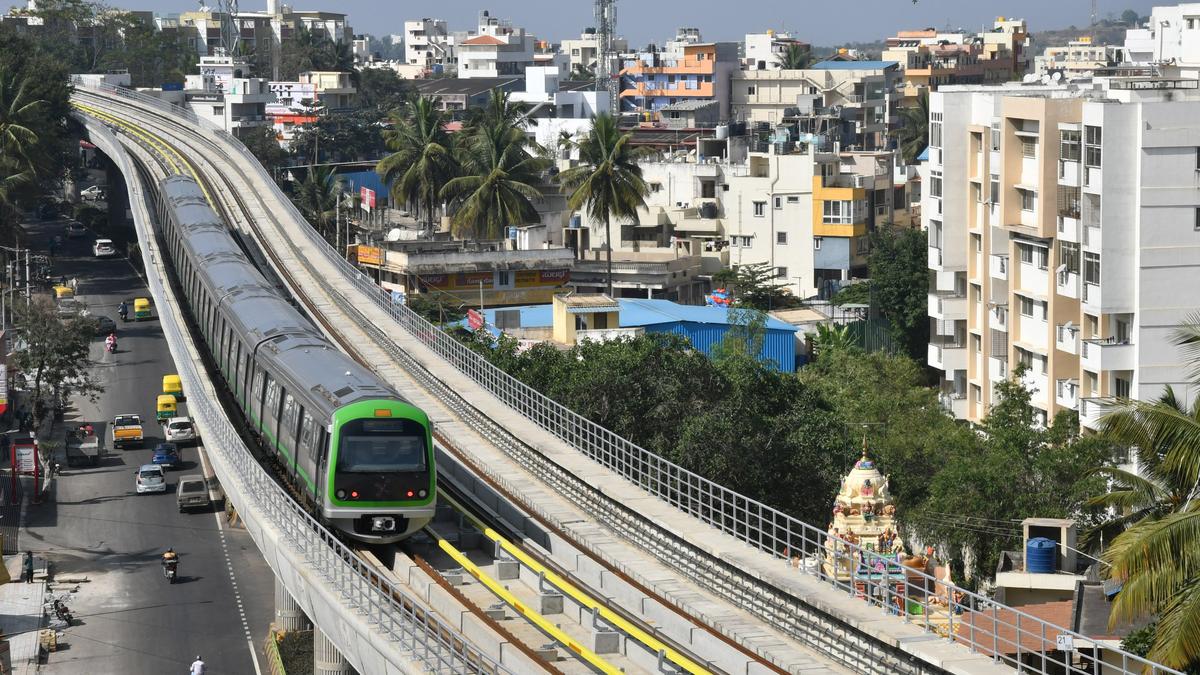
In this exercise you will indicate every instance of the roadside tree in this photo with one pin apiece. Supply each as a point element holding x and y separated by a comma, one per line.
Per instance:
<point>52,352</point>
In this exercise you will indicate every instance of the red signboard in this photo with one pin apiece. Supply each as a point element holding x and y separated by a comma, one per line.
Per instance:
<point>474,319</point>
<point>367,195</point>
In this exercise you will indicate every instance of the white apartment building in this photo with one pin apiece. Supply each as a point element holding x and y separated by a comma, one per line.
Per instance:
<point>582,52</point>
<point>223,96</point>
<point>428,43</point>
<point>1170,41</point>
<point>765,51</point>
<point>497,49</point>
<point>1080,58</point>
<point>1064,234</point>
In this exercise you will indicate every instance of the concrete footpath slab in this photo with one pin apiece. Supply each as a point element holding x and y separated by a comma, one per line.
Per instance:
<point>21,616</point>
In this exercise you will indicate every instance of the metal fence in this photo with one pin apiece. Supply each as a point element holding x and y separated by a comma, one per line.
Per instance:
<point>397,615</point>
<point>1005,634</point>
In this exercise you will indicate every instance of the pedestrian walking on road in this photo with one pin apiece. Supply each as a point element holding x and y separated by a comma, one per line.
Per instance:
<point>27,570</point>
<point>198,667</point>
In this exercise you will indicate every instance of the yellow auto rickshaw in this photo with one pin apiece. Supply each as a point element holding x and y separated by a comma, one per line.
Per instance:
<point>166,408</point>
<point>173,386</point>
<point>141,309</point>
<point>62,292</point>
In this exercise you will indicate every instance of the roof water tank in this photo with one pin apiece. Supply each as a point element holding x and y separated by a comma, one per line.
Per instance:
<point>722,132</point>
<point>708,210</point>
<point>1041,555</point>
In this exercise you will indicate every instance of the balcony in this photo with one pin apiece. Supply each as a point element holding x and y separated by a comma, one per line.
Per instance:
<point>1093,179</point>
<point>1066,338</point>
<point>935,257</point>
<point>1091,411</point>
<point>947,307</point>
<point>998,317</point>
<point>1037,383</point>
<point>955,402</point>
<point>1066,393</point>
<point>999,265</point>
<point>1068,227</point>
<point>1091,236</point>
<point>997,368</point>
<point>1067,283</point>
<point>1068,173</point>
<point>1104,355</point>
<point>1091,297</point>
<point>949,356</point>
<point>608,334</point>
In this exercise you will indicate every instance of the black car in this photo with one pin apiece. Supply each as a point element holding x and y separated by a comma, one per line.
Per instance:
<point>104,325</point>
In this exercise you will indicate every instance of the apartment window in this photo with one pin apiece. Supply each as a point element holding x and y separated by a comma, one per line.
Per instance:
<point>995,190</point>
<point>1028,147</point>
<point>1121,386</point>
<point>1025,357</point>
<point>1191,22</point>
<point>779,202</point>
<point>781,272</point>
<point>793,199</point>
<point>1068,256</point>
<point>781,238</point>
<point>1196,219</point>
<point>1091,268</point>
<point>862,245</point>
<point>1033,255</point>
<point>742,241</point>
<point>1198,159</point>
<point>1068,147</point>
<point>1092,140</point>
<point>750,90</point>
<point>1026,305</point>
<point>1068,201</point>
<point>655,187</point>
<point>760,209</point>
<point>838,212</point>
<point>935,184</point>
<point>995,136</point>
<point>816,243</point>
<point>1028,200</point>
<point>935,129</point>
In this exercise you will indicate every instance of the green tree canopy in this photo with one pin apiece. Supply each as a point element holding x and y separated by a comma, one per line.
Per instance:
<point>423,157</point>
<point>913,134</point>
<point>899,269</point>
<point>52,351</point>
<point>757,286</point>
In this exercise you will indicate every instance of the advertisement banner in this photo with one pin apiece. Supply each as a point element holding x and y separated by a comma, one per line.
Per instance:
<point>367,197</point>
<point>556,276</point>
<point>3,388</point>
<point>370,255</point>
<point>474,319</point>
<point>24,455</point>
<point>435,280</point>
<point>473,278</point>
<point>526,278</point>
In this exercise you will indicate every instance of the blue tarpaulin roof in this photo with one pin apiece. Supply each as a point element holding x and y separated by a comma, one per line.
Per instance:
<point>924,155</point>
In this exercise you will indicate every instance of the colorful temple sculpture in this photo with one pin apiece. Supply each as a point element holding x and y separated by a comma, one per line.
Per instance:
<point>865,552</point>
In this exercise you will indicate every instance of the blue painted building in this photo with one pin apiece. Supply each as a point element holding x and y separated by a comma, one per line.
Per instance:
<point>705,327</point>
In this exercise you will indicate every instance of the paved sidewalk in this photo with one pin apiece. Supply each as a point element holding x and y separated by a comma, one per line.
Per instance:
<point>21,615</point>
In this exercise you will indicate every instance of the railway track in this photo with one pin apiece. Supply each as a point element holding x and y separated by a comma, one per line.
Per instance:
<point>364,341</point>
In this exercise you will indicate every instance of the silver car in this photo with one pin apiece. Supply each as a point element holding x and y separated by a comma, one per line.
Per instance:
<point>150,478</point>
<point>180,430</point>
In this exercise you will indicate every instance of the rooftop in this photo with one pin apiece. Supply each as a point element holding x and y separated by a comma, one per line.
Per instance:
<point>643,312</point>
<point>854,65</point>
<point>470,86</point>
<point>688,105</point>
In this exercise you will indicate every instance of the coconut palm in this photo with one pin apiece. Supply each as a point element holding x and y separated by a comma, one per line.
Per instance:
<point>608,181</point>
<point>317,198</point>
<point>18,118</point>
<point>1157,558</point>
<point>422,158</point>
<point>498,111</point>
<point>913,134</point>
<point>497,187</point>
<point>796,57</point>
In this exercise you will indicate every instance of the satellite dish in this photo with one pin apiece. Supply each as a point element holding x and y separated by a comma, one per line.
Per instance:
<point>393,234</point>
<point>1058,76</point>
<point>1029,77</point>
<point>1046,79</point>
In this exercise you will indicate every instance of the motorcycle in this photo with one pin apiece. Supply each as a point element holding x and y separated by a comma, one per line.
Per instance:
<point>170,571</point>
<point>111,346</point>
<point>62,612</point>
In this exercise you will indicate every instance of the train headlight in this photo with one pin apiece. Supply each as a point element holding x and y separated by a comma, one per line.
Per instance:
<point>422,493</point>
<point>340,494</point>
<point>383,524</point>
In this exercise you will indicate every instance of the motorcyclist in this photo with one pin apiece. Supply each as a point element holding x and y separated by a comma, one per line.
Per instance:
<point>111,342</point>
<point>123,311</point>
<point>170,559</point>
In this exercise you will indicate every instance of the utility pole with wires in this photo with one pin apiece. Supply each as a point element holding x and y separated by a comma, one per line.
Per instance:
<point>1095,12</point>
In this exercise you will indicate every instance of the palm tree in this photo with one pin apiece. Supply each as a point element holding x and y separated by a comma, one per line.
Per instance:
<point>1159,487</point>
<point>422,160</point>
<point>18,118</point>
<point>1157,558</point>
<point>913,134</point>
<point>797,57</point>
<point>498,111</point>
<point>498,185</point>
<point>317,198</point>
<point>608,181</point>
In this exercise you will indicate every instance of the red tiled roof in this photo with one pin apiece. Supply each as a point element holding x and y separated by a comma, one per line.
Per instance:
<point>1000,629</point>
<point>484,40</point>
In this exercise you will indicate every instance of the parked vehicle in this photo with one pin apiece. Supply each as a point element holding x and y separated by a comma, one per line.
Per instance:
<point>166,455</point>
<point>76,230</point>
<point>127,431</point>
<point>63,292</point>
<point>180,430</point>
<point>150,478</point>
<point>92,194</point>
<point>192,493</point>
<point>104,248</point>
<point>104,325</point>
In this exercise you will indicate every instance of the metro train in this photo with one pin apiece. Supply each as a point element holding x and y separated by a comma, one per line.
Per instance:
<point>359,454</point>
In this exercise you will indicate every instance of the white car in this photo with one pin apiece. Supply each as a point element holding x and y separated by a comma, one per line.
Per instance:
<point>94,193</point>
<point>103,248</point>
<point>150,478</point>
<point>180,430</point>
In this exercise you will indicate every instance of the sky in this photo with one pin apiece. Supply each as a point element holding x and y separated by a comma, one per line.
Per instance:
<point>820,22</point>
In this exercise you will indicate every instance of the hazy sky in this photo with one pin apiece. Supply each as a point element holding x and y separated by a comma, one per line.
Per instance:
<point>822,22</point>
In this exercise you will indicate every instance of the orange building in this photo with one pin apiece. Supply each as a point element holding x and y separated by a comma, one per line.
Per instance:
<point>696,71</point>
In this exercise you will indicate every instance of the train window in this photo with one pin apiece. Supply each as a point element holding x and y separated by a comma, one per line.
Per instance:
<point>239,369</point>
<point>271,412</point>
<point>306,435</point>
<point>256,391</point>
<point>287,426</point>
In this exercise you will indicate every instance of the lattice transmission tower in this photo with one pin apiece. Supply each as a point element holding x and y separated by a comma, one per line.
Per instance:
<point>607,69</point>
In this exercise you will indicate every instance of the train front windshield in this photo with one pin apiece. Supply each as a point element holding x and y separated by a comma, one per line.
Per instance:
<point>382,445</point>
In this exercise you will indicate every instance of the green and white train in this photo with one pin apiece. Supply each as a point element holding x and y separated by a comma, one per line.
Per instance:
<point>359,455</point>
